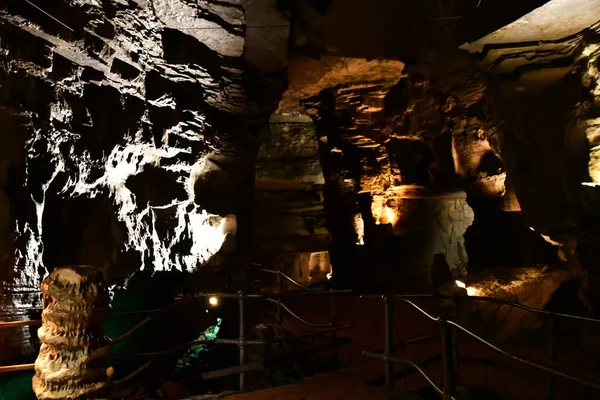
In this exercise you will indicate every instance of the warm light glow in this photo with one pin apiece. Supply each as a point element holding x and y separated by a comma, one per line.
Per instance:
<point>329,275</point>
<point>389,216</point>
<point>359,228</point>
<point>319,266</point>
<point>213,301</point>
<point>548,239</point>
<point>471,291</point>
<point>384,211</point>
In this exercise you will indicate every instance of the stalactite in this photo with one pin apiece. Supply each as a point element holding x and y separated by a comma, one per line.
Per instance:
<point>72,363</point>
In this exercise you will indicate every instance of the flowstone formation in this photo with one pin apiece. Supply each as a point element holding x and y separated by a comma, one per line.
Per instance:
<point>73,359</point>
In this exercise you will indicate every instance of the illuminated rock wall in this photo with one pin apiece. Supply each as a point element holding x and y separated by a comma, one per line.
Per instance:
<point>549,149</point>
<point>131,132</point>
<point>411,154</point>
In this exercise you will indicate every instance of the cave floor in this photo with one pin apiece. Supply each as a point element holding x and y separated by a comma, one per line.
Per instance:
<point>504,380</point>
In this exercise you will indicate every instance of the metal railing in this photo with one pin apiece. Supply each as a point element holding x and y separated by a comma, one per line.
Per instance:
<point>450,327</point>
<point>242,341</point>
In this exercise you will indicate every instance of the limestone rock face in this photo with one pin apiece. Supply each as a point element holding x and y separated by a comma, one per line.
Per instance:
<point>73,358</point>
<point>413,155</point>
<point>534,287</point>
<point>549,150</point>
<point>138,134</point>
<point>134,125</point>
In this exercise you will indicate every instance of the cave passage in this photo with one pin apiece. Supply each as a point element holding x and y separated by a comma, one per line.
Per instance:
<point>226,190</point>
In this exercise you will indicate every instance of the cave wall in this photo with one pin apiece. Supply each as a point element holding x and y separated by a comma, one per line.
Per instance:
<point>131,132</point>
<point>138,125</point>
<point>549,149</point>
<point>412,180</point>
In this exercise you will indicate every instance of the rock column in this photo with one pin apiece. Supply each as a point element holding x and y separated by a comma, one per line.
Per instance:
<point>72,363</point>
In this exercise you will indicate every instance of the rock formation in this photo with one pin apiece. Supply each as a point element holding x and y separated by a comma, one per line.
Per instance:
<point>160,135</point>
<point>135,127</point>
<point>73,358</point>
<point>401,144</point>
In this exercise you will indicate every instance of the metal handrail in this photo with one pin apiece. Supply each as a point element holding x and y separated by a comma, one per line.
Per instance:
<point>253,342</point>
<point>450,346</point>
<point>296,316</point>
<point>17,324</point>
<point>224,295</point>
<point>591,383</point>
<point>266,296</point>
<point>241,342</point>
<point>286,277</point>
<point>410,363</point>
<point>404,298</point>
<point>15,368</point>
<point>133,374</point>
<point>35,322</point>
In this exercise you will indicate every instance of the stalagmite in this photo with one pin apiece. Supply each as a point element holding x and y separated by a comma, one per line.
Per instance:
<point>72,363</point>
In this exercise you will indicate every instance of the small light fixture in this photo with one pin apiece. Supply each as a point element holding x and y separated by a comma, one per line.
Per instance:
<point>461,284</point>
<point>213,301</point>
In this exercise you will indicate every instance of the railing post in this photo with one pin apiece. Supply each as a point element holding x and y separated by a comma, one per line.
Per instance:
<point>456,339</point>
<point>333,323</point>
<point>389,343</point>
<point>449,377</point>
<point>242,339</point>
<point>280,291</point>
<point>551,355</point>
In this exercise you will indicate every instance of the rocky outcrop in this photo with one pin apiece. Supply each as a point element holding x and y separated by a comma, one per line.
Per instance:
<point>548,151</point>
<point>538,287</point>
<point>409,158</point>
<point>535,47</point>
